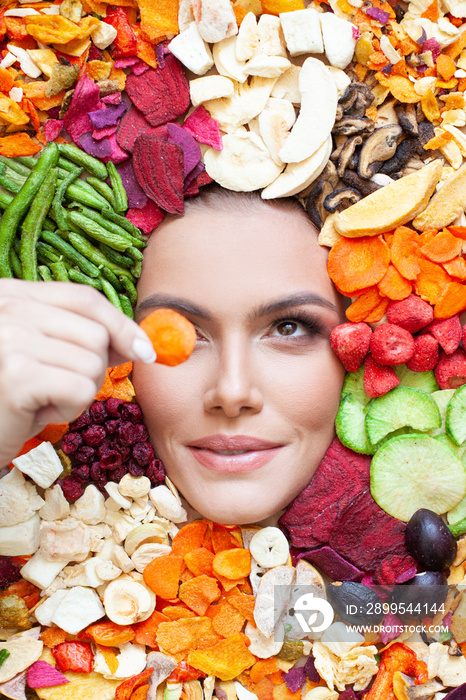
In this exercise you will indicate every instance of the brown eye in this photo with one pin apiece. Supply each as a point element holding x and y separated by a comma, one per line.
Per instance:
<point>287,327</point>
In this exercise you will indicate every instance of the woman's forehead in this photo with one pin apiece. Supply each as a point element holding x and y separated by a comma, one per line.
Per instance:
<point>236,258</point>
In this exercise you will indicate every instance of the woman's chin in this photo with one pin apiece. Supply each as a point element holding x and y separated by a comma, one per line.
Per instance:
<point>240,511</point>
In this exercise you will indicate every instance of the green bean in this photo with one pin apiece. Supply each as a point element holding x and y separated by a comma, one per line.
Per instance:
<point>109,225</point>
<point>45,273</point>
<point>111,294</point>
<point>103,189</point>
<point>28,161</point>
<point>76,155</point>
<point>108,269</point>
<point>57,208</point>
<point>47,253</point>
<point>59,271</point>
<point>130,289</point>
<point>5,200</point>
<point>14,165</point>
<point>123,222</point>
<point>119,192</point>
<point>85,265</point>
<point>97,232</point>
<point>136,269</point>
<point>66,164</point>
<point>4,654</point>
<point>115,256</point>
<point>82,192</point>
<point>21,203</point>
<point>15,264</point>
<point>81,278</point>
<point>49,225</point>
<point>10,184</point>
<point>32,225</point>
<point>135,253</point>
<point>126,305</point>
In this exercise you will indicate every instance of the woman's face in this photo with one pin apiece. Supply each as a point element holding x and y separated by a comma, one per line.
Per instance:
<point>242,425</point>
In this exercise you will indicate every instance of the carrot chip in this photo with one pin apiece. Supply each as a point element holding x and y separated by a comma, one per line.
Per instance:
<point>199,593</point>
<point>226,660</point>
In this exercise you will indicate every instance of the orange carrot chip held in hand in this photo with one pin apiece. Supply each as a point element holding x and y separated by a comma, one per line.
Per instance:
<point>171,334</point>
<point>232,563</point>
<point>226,660</point>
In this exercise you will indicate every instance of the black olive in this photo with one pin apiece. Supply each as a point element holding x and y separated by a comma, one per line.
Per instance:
<point>421,596</point>
<point>355,603</point>
<point>430,541</point>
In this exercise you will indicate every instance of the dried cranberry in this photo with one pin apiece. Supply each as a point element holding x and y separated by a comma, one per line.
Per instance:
<point>141,432</point>
<point>135,469</point>
<point>113,407</point>
<point>118,474</point>
<point>81,422</point>
<point>71,442</point>
<point>128,433</point>
<point>72,488</point>
<point>98,412</point>
<point>112,460</point>
<point>82,472</point>
<point>143,453</point>
<point>85,454</point>
<point>111,426</point>
<point>132,412</point>
<point>155,472</point>
<point>9,572</point>
<point>124,450</point>
<point>94,435</point>
<point>97,473</point>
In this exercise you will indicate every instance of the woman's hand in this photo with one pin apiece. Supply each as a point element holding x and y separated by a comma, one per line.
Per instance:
<point>56,341</point>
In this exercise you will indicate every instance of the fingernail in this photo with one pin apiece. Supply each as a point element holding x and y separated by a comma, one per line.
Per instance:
<point>144,351</point>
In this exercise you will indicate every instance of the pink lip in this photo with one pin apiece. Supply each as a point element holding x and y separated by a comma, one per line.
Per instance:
<point>259,452</point>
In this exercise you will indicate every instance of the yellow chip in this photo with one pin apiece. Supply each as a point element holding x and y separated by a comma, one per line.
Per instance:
<point>44,58</point>
<point>81,685</point>
<point>429,106</point>
<point>51,28</point>
<point>11,112</point>
<point>158,18</point>
<point>226,660</point>
<point>75,47</point>
<point>99,70</point>
<point>180,636</point>
<point>400,87</point>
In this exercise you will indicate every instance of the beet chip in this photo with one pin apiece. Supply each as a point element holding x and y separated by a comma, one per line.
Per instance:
<point>134,124</point>
<point>159,168</point>
<point>340,476</point>
<point>161,94</point>
<point>365,535</point>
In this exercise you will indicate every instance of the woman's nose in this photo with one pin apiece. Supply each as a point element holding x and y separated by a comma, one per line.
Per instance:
<point>234,388</point>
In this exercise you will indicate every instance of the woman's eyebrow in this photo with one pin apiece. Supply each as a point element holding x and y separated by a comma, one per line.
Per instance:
<point>155,301</point>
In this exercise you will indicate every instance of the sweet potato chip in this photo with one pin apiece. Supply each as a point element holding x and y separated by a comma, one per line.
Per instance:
<point>363,305</point>
<point>393,285</point>
<point>205,641</point>
<point>176,612</point>
<point>404,252</point>
<point>123,389</point>
<point>225,660</point>
<point>19,144</point>
<point>245,604</point>
<point>51,636</point>
<point>145,631</point>
<point>180,636</point>
<point>232,563</point>
<point>357,263</point>
<point>443,247</point>
<point>282,692</point>
<point>144,49</point>
<point>35,91</point>
<point>49,29</point>
<point>429,106</point>
<point>199,593</point>
<point>227,619</point>
<point>189,537</point>
<point>431,282</point>
<point>53,432</point>
<point>158,18</point>
<point>121,371</point>
<point>262,668</point>
<point>264,689</point>
<point>223,539</point>
<point>199,561</point>
<point>400,87</point>
<point>456,268</point>
<point>377,314</point>
<point>162,575</point>
<point>452,301</point>
<point>445,66</point>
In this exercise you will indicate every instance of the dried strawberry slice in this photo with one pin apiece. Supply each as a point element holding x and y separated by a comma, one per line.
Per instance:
<point>159,168</point>
<point>161,94</point>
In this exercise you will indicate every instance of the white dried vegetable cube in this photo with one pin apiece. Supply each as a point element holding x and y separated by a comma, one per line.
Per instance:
<point>18,499</point>
<point>167,505</point>
<point>302,31</point>
<point>41,571</point>
<point>215,19</point>
<point>339,39</point>
<point>56,506</point>
<point>134,486</point>
<point>47,607</point>
<point>191,49</point>
<point>271,39</point>
<point>41,463</point>
<point>211,87</point>
<point>78,609</point>
<point>90,507</point>
<point>103,35</point>
<point>20,540</point>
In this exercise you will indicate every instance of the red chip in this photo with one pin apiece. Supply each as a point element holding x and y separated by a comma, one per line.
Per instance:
<point>391,345</point>
<point>350,342</point>
<point>425,355</point>
<point>448,333</point>
<point>411,313</point>
<point>450,371</point>
<point>159,168</point>
<point>378,379</point>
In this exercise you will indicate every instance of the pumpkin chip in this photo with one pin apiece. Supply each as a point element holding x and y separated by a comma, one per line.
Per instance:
<point>180,636</point>
<point>232,563</point>
<point>199,593</point>
<point>226,660</point>
<point>162,575</point>
<point>199,561</point>
<point>189,537</point>
<point>227,620</point>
